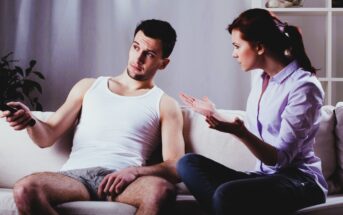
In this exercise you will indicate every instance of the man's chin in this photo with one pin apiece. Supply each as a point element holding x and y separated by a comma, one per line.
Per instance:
<point>136,77</point>
<point>139,78</point>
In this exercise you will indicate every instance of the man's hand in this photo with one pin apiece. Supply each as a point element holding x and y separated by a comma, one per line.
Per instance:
<point>20,119</point>
<point>203,106</point>
<point>116,182</point>
<point>235,127</point>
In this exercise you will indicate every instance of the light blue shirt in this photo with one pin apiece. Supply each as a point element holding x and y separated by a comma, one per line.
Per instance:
<point>288,119</point>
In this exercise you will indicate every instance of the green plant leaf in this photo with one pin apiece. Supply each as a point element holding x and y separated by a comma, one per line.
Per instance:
<point>39,106</point>
<point>13,82</point>
<point>4,58</point>
<point>32,63</point>
<point>40,75</point>
<point>28,71</point>
<point>19,70</point>
<point>30,85</point>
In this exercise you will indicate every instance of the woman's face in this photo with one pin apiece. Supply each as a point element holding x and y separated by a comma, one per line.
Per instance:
<point>244,52</point>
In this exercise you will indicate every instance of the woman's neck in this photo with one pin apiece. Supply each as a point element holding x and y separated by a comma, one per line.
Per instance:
<point>273,67</point>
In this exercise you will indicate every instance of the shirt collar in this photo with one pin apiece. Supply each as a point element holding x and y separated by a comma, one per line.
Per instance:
<point>284,73</point>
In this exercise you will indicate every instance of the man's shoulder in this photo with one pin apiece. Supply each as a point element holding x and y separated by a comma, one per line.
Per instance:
<point>80,88</point>
<point>85,82</point>
<point>169,105</point>
<point>168,100</point>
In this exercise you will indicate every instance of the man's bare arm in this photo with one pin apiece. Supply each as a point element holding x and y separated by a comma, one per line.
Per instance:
<point>173,146</point>
<point>44,134</point>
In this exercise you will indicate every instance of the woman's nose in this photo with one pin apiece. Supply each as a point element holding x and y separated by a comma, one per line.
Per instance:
<point>234,55</point>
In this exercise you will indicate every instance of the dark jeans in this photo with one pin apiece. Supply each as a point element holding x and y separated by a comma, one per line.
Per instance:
<point>221,190</point>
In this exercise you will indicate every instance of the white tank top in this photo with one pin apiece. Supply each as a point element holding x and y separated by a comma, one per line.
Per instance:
<point>115,131</point>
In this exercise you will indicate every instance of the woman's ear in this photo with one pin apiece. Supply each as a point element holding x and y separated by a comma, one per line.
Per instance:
<point>260,49</point>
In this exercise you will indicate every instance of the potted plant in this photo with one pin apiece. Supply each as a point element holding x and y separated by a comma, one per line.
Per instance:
<point>17,83</point>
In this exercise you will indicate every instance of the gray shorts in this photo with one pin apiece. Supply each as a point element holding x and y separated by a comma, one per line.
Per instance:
<point>90,178</point>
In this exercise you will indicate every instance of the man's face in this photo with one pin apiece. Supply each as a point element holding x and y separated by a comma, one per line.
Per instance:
<point>145,57</point>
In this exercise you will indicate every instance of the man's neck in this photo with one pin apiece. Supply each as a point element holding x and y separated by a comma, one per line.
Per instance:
<point>129,83</point>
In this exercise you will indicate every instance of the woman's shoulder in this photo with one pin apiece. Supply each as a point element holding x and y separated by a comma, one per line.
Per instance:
<point>306,82</point>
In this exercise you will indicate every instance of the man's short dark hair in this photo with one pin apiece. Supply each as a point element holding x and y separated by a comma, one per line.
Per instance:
<point>158,29</point>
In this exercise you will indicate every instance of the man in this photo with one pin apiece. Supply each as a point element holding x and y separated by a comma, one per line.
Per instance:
<point>123,119</point>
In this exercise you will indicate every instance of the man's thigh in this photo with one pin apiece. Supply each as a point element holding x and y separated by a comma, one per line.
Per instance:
<point>145,189</point>
<point>57,188</point>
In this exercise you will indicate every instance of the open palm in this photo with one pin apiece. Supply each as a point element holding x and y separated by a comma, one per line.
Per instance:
<point>203,106</point>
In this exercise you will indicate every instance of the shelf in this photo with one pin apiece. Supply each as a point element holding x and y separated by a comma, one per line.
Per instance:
<point>331,79</point>
<point>300,9</point>
<point>322,30</point>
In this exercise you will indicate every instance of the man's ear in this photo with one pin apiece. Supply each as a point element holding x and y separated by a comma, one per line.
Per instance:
<point>260,49</point>
<point>165,62</point>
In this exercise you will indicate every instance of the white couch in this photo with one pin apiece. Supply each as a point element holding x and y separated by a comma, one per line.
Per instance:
<point>20,157</point>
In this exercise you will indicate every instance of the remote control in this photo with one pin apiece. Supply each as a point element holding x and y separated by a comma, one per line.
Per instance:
<point>5,107</point>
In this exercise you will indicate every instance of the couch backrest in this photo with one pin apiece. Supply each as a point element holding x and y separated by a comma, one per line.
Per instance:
<point>339,141</point>
<point>325,145</point>
<point>222,147</point>
<point>20,157</point>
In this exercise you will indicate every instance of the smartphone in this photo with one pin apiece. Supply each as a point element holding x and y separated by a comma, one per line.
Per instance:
<point>5,107</point>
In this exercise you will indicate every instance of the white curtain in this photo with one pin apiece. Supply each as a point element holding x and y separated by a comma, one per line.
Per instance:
<point>73,39</point>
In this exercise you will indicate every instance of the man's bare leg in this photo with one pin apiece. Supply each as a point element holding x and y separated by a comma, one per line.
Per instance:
<point>149,194</point>
<point>39,192</point>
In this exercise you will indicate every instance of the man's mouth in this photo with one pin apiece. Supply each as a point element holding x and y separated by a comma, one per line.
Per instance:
<point>137,67</point>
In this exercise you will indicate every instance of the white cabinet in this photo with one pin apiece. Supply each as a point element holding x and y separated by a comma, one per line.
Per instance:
<point>322,28</point>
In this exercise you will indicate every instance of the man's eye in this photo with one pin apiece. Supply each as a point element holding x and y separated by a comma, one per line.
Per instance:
<point>150,55</point>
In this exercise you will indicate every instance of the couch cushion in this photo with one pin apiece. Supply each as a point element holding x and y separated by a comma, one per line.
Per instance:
<point>221,147</point>
<point>333,206</point>
<point>95,207</point>
<point>325,146</point>
<point>20,156</point>
<point>339,135</point>
<point>7,205</point>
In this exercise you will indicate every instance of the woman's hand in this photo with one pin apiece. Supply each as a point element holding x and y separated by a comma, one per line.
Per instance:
<point>203,106</point>
<point>235,127</point>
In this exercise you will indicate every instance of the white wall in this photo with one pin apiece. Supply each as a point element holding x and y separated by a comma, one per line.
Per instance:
<point>72,39</point>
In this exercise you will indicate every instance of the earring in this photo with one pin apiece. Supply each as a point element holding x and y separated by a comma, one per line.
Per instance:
<point>287,53</point>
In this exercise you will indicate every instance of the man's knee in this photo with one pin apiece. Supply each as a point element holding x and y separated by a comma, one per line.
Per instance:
<point>160,190</point>
<point>148,191</point>
<point>26,192</point>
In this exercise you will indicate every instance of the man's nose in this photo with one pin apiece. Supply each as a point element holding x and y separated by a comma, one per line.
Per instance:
<point>140,58</point>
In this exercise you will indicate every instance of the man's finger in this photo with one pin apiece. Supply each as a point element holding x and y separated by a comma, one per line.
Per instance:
<point>116,182</point>
<point>22,125</point>
<point>110,180</point>
<point>119,186</point>
<point>102,185</point>
<point>16,105</point>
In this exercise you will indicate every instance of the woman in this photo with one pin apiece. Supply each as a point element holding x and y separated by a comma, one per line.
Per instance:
<point>283,111</point>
